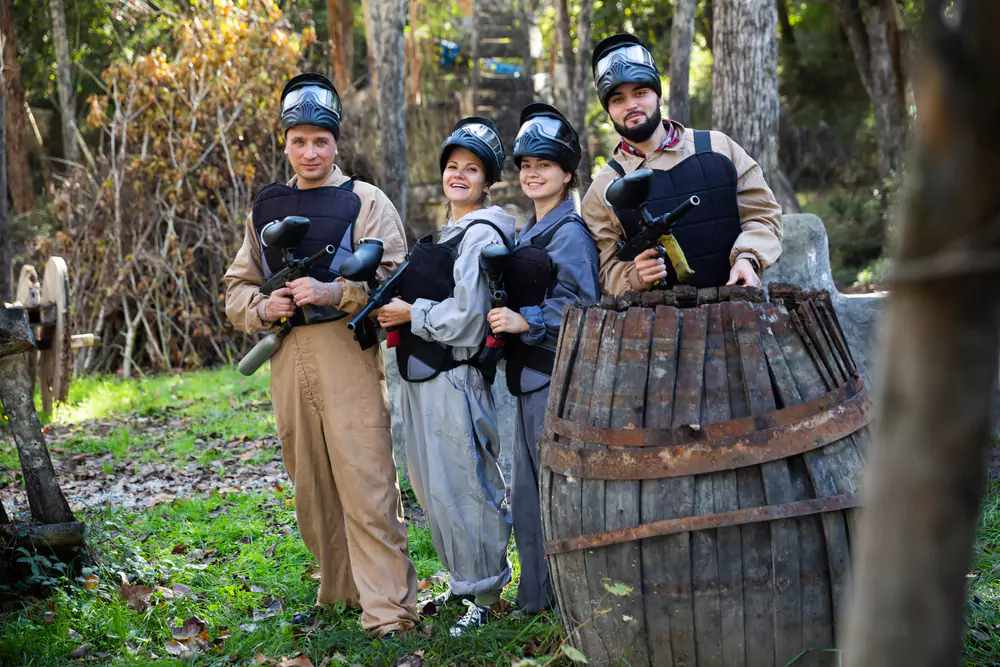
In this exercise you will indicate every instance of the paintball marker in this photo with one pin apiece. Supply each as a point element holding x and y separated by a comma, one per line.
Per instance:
<point>362,266</point>
<point>631,192</point>
<point>285,234</point>
<point>491,261</point>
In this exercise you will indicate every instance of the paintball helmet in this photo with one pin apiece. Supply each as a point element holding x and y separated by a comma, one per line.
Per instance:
<point>623,59</point>
<point>480,136</point>
<point>545,133</point>
<point>310,99</point>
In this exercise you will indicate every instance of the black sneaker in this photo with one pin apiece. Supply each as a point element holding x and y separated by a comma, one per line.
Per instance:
<point>474,617</point>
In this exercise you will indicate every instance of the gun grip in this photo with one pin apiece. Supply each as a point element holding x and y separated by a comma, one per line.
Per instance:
<point>392,337</point>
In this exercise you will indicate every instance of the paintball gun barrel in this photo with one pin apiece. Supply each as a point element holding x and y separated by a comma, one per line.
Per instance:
<point>362,266</point>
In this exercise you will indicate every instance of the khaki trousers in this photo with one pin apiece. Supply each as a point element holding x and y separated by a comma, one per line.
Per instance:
<point>331,408</point>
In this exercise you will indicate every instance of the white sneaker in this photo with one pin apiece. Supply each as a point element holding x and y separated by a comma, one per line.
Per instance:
<point>474,617</point>
<point>432,605</point>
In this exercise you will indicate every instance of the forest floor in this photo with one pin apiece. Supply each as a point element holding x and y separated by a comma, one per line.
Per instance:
<point>193,553</point>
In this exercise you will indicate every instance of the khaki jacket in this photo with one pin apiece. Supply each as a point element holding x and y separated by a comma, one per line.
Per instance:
<point>378,218</point>
<point>760,215</point>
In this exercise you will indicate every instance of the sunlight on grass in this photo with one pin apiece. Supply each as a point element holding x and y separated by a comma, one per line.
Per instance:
<point>98,397</point>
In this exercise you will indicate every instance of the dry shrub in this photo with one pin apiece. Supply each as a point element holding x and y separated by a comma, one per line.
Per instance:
<point>189,134</point>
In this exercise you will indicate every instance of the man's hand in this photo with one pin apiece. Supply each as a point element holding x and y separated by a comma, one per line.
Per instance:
<point>279,304</point>
<point>310,291</point>
<point>649,267</point>
<point>743,272</point>
<point>506,320</point>
<point>394,313</point>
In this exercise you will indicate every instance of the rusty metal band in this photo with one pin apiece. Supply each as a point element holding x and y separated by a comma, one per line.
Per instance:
<point>636,454</point>
<point>703,522</point>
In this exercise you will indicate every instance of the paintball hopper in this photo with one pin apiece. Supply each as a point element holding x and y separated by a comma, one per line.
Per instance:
<point>362,265</point>
<point>286,233</point>
<point>631,190</point>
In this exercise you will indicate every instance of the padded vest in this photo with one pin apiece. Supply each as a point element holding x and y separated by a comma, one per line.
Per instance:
<point>332,212</point>
<point>529,277</point>
<point>707,233</point>
<point>430,275</point>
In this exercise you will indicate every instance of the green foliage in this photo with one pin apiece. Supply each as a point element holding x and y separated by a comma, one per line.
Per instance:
<point>982,635</point>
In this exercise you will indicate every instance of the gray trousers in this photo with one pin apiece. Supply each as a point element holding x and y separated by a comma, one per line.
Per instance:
<point>452,446</point>
<point>534,592</point>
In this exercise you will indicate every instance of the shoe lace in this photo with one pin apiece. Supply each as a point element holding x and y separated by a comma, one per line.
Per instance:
<point>474,614</point>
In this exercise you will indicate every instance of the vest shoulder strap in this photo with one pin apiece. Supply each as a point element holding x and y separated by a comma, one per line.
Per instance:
<point>544,239</point>
<point>349,185</point>
<point>616,165</point>
<point>702,141</point>
<point>457,239</point>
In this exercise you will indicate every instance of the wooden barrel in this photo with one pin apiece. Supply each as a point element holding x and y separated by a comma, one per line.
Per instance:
<point>703,448</point>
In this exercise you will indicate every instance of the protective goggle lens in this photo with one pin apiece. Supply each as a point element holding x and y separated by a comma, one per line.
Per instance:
<point>632,53</point>
<point>553,128</point>
<point>324,97</point>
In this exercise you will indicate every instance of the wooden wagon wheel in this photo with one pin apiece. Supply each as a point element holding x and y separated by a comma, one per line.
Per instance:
<point>54,360</point>
<point>29,295</point>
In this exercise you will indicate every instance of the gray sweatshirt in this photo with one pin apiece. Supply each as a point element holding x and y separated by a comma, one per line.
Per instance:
<point>460,320</point>
<point>574,256</point>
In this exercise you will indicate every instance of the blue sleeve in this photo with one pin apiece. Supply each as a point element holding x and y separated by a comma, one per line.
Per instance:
<point>574,256</point>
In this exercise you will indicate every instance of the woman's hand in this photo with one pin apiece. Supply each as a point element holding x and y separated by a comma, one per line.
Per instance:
<point>506,320</point>
<point>394,313</point>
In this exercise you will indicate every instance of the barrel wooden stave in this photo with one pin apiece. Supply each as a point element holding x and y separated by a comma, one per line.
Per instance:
<point>755,594</point>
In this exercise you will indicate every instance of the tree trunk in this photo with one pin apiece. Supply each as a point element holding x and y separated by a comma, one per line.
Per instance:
<point>64,82</point>
<point>873,30</point>
<point>390,66</point>
<point>681,34</point>
<point>745,77</point>
<point>583,88</point>
<point>925,475</point>
<point>340,24</point>
<point>705,23</point>
<point>18,171</point>
<point>48,505</point>
<point>888,91</point>
<point>6,260</point>
<point>414,57</point>
<point>563,87</point>
<point>371,40</point>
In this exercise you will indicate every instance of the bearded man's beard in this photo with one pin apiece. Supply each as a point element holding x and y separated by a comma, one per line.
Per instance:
<point>641,132</point>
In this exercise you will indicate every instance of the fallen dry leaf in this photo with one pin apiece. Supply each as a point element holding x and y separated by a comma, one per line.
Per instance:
<point>176,648</point>
<point>192,627</point>
<point>246,456</point>
<point>137,596</point>
<point>74,635</point>
<point>161,498</point>
<point>409,661</point>
<point>90,581</point>
<point>167,593</point>
<point>424,584</point>
<point>274,607</point>
<point>81,651</point>
<point>270,551</point>
<point>262,659</point>
<point>48,618</point>
<point>180,590</point>
<point>301,661</point>
<point>179,549</point>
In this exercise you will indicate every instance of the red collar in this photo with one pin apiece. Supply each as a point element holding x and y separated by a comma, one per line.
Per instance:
<point>673,138</point>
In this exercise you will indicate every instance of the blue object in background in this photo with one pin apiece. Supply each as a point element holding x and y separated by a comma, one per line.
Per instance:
<point>448,53</point>
<point>497,67</point>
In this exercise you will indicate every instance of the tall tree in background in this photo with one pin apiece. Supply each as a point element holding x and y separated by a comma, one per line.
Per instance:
<point>6,264</point>
<point>572,98</point>
<point>340,24</point>
<point>681,34</point>
<point>64,82</point>
<point>18,170</point>
<point>388,17</point>
<point>875,31</point>
<point>745,77</point>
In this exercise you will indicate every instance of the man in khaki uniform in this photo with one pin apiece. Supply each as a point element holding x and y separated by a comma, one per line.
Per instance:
<point>730,238</point>
<point>329,396</point>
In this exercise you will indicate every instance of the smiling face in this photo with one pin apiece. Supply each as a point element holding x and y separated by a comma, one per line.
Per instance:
<point>542,179</point>
<point>634,111</point>
<point>311,150</point>
<point>464,178</point>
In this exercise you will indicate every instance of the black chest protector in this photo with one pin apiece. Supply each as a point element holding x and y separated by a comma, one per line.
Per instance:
<point>332,212</point>
<point>430,275</point>
<point>529,277</point>
<point>706,234</point>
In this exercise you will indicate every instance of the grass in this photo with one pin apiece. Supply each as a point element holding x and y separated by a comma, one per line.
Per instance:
<point>234,552</point>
